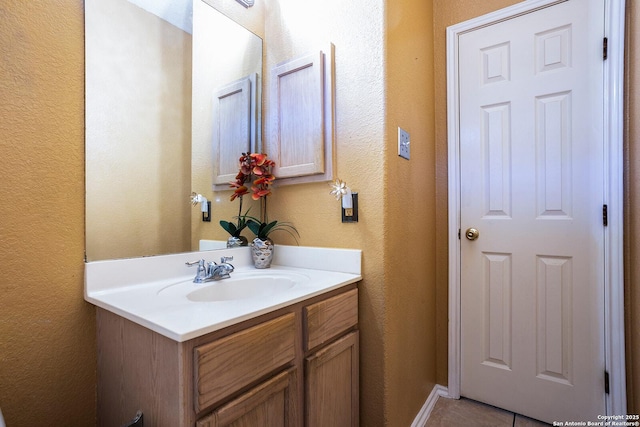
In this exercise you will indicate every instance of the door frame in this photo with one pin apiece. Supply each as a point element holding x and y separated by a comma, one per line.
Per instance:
<point>614,346</point>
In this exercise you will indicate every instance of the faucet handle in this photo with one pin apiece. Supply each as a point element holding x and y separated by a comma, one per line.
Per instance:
<point>200,263</point>
<point>201,273</point>
<point>225,259</point>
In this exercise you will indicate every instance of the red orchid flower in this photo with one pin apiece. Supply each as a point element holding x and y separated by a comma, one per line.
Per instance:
<point>240,191</point>
<point>259,159</point>
<point>263,181</point>
<point>258,165</point>
<point>259,192</point>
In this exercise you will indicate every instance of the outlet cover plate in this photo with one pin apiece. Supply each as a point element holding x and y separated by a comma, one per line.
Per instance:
<point>404,144</point>
<point>351,215</point>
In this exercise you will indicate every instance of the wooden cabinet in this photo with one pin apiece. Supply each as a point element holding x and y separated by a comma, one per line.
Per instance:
<point>225,366</point>
<point>272,403</point>
<point>331,371</point>
<point>327,319</point>
<point>234,127</point>
<point>331,395</point>
<point>293,367</point>
<point>302,118</point>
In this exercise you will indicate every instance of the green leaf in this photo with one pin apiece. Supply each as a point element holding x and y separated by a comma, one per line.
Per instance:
<point>254,226</point>
<point>230,228</point>
<point>225,225</point>
<point>267,228</point>
<point>262,230</point>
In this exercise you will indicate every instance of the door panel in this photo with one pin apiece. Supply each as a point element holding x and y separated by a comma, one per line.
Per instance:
<point>531,145</point>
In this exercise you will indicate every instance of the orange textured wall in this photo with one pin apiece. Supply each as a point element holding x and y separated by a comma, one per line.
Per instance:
<point>47,331</point>
<point>409,189</point>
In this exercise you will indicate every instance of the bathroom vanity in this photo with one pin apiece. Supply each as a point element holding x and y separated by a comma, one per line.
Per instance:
<point>284,359</point>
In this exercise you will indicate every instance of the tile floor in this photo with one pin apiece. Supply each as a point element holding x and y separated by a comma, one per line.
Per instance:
<point>465,412</point>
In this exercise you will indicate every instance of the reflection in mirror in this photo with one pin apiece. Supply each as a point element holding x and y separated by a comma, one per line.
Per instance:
<point>226,116</point>
<point>139,112</point>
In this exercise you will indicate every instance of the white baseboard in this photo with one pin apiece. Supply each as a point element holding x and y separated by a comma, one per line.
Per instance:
<point>422,417</point>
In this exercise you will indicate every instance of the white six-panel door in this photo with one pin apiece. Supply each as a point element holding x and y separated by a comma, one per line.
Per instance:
<point>532,184</point>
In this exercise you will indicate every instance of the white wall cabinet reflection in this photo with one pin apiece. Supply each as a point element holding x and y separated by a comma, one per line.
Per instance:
<point>234,127</point>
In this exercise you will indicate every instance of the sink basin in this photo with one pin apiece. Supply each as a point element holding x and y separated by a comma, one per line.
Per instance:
<point>241,285</point>
<point>241,288</point>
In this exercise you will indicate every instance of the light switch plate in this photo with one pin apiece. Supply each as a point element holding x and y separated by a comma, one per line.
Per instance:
<point>404,144</point>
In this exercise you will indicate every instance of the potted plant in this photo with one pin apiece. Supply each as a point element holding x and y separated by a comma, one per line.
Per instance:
<point>235,237</point>
<point>234,230</point>
<point>262,230</point>
<point>258,167</point>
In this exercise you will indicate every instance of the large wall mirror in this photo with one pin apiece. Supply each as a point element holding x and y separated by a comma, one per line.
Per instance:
<point>152,72</point>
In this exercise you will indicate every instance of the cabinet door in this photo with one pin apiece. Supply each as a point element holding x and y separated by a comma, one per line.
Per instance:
<point>302,116</point>
<point>232,128</point>
<point>331,397</point>
<point>272,403</point>
<point>225,366</point>
<point>330,318</point>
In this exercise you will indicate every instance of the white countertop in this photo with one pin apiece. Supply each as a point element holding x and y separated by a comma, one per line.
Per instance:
<point>151,291</point>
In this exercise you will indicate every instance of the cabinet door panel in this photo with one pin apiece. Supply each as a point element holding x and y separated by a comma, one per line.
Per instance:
<point>232,128</point>
<point>302,118</point>
<point>330,318</point>
<point>298,101</point>
<point>227,365</point>
<point>272,403</point>
<point>331,397</point>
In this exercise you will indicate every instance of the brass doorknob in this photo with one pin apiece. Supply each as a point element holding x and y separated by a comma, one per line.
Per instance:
<point>472,233</point>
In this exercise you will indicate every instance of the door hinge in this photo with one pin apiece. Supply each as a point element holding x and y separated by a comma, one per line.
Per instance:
<point>458,234</point>
<point>606,382</point>
<point>605,41</point>
<point>605,215</point>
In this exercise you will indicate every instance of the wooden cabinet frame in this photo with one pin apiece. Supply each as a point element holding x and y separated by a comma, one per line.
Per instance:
<point>235,127</point>
<point>273,400</point>
<point>302,118</point>
<point>331,388</point>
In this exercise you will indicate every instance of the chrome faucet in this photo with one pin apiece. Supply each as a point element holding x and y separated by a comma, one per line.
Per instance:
<point>222,270</point>
<point>209,271</point>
